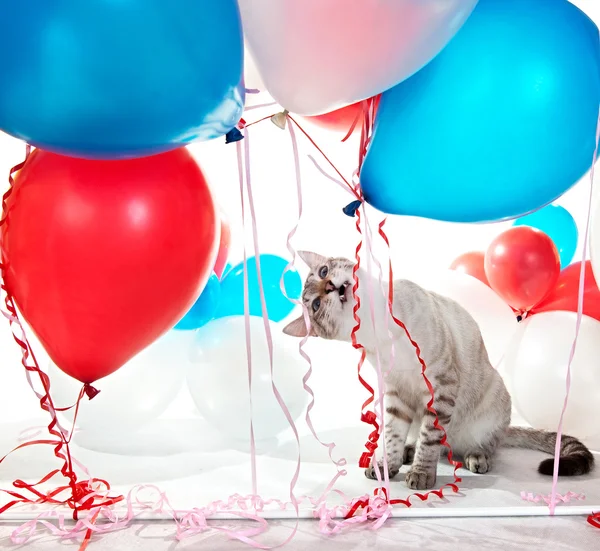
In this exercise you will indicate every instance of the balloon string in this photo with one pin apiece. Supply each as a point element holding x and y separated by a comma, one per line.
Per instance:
<point>369,417</point>
<point>580,299</point>
<point>268,117</point>
<point>310,139</point>
<point>305,380</point>
<point>81,497</point>
<point>430,405</point>
<point>269,337</point>
<point>328,176</point>
<point>378,406</point>
<point>260,106</point>
<point>247,323</point>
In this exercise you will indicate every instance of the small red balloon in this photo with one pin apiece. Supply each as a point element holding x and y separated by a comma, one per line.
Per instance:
<point>341,120</point>
<point>522,265</point>
<point>565,295</point>
<point>102,257</point>
<point>224,244</point>
<point>471,264</point>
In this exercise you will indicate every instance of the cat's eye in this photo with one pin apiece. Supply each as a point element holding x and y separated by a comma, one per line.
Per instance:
<point>315,304</point>
<point>323,272</point>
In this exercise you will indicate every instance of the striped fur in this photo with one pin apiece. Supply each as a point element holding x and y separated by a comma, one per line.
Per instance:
<point>470,398</point>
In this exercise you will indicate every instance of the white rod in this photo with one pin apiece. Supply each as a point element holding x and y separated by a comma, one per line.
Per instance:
<point>413,512</point>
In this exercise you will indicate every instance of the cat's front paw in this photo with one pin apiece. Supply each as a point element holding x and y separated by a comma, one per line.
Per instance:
<point>420,479</point>
<point>393,470</point>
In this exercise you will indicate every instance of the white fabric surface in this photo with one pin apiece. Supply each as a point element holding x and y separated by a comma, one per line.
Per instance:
<point>484,534</point>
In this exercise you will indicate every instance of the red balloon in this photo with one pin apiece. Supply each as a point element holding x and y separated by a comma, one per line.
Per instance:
<point>341,119</point>
<point>471,264</point>
<point>102,257</point>
<point>566,293</point>
<point>522,265</point>
<point>223,254</point>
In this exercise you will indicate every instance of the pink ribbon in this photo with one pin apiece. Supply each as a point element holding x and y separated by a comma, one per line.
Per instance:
<point>538,498</point>
<point>330,446</point>
<point>554,494</point>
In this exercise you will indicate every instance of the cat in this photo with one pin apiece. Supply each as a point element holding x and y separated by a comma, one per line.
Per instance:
<point>471,400</point>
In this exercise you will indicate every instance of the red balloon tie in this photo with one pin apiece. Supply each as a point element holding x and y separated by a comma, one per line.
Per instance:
<point>90,391</point>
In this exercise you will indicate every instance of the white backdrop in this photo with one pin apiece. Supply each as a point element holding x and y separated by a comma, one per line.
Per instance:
<point>419,248</point>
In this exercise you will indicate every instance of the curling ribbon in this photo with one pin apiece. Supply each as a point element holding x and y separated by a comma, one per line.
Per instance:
<point>369,417</point>
<point>537,498</point>
<point>81,495</point>
<point>330,446</point>
<point>557,448</point>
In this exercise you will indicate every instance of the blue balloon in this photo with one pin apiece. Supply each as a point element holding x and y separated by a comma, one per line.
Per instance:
<point>113,79</point>
<point>499,124</point>
<point>559,225</point>
<point>204,308</point>
<point>271,267</point>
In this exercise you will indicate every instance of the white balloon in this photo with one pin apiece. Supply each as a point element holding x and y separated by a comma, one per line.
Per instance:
<point>218,379</point>
<point>536,365</point>
<point>136,394</point>
<point>495,318</point>
<point>319,55</point>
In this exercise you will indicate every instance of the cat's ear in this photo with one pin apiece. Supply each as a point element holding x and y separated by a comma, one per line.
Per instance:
<point>297,328</point>
<point>313,260</point>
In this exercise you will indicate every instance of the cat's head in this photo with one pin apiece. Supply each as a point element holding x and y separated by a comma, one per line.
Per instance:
<point>327,294</point>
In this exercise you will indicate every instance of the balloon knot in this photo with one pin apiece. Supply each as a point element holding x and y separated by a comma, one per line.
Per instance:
<point>521,316</point>
<point>90,391</point>
<point>234,135</point>
<point>280,119</point>
<point>350,210</point>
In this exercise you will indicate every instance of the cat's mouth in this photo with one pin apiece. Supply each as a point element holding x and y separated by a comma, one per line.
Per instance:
<point>343,290</point>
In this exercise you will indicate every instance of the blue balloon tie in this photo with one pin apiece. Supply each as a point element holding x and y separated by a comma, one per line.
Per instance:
<point>234,135</point>
<point>350,210</point>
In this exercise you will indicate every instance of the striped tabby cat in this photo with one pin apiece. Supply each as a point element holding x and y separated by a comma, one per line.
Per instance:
<point>471,400</point>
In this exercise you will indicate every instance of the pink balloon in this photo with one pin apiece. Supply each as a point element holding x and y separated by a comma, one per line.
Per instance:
<point>316,56</point>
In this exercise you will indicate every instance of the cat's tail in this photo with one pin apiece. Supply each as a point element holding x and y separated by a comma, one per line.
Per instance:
<point>575,458</point>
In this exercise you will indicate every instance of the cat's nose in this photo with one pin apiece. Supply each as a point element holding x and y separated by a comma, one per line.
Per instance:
<point>329,287</point>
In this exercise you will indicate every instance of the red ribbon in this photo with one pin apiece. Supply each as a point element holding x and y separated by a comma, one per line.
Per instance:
<point>82,495</point>
<point>369,111</point>
<point>594,520</point>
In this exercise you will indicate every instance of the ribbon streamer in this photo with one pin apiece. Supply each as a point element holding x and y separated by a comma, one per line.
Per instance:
<point>577,326</point>
<point>81,497</point>
<point>372,505</point>
<point>330,446</point>
<point>538,498</point>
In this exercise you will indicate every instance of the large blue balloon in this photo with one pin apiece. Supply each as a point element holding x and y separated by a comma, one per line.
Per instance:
<point>500,123</point>
<point>271,269</point>
<point>556,222</point>
<point>114,79</point>
<point>205,308</point>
